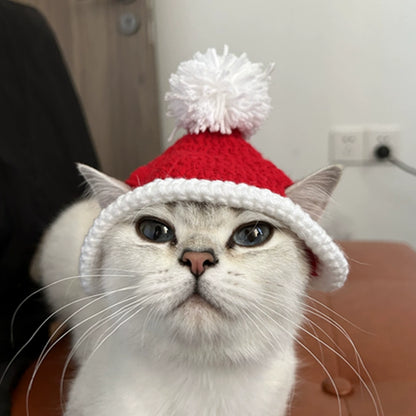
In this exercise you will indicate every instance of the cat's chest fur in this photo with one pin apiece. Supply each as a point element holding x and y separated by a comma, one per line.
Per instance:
<point>139,386</point>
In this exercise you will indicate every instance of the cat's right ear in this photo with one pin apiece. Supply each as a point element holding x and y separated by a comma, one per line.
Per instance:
<point>314,192</point>
<point>105,188</point>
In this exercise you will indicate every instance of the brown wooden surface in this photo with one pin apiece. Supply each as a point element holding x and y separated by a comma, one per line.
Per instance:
<point>114,74</point>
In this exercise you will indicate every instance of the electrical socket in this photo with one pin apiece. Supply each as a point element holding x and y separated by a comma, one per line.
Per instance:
<point>378,135</point>
<point>346,144</point>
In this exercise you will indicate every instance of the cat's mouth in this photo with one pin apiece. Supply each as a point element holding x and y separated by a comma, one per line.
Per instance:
<point>197,300</point>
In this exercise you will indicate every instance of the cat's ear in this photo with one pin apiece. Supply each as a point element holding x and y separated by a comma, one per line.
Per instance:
<point>314,192</point>
<point>105,188</point>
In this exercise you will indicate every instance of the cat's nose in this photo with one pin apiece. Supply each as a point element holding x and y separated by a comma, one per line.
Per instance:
<point>198,261</point>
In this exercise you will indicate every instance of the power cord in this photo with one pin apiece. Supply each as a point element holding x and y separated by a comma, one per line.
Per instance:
<point>383,152</point>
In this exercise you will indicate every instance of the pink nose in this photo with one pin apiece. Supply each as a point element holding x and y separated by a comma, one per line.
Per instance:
<point>197,261</point>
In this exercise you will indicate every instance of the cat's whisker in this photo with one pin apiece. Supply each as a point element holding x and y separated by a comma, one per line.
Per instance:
<point>48,286</point>
<point>113,331</point>
<point>316,312</point>
<point>374,399</point>
<point>120,314</point>
<point>128,273</point>
<point>88,332</point>
<point>336,325</point>
<point>43,354</point>
<point>45,351</point>
<point>97,298</point>
<point>44,322</point>
<point>42,289</point>
<point>98,324</point>
<point>92,329</point>
<point>359,361</point>
<point>313,324</point>
<point>310,352</point>
<point>293,337</point>
<point>338,315</point>
<point>150,314</point>
<point>102,321</point>
<point>253,321</point>
<point>321,350</point>
<point>356,261</point>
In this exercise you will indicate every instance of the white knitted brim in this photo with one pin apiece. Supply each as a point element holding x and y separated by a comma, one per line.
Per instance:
<point>332,266</point>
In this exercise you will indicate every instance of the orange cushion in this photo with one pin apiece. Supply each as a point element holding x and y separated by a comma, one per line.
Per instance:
<point>379,299</point>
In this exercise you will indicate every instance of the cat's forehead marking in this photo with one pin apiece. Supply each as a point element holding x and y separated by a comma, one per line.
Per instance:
<point>205,215</point>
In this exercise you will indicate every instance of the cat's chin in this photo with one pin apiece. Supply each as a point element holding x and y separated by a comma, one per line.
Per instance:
<point>197,316</point>
<point>196,305</point>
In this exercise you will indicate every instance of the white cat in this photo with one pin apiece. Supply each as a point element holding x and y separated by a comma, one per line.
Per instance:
<point>194,308</point>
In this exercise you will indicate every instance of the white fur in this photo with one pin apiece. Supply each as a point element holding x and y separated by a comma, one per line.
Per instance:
<point>169,354</point>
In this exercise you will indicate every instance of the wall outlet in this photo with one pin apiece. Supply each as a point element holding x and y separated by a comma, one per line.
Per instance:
<point>346,145</point>
<point>378,135</point>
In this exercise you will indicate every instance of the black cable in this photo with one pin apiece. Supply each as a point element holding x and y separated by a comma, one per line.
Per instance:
<point>383,153</point>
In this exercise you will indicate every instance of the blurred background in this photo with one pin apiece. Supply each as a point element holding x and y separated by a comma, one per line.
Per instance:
<point>342,67</point>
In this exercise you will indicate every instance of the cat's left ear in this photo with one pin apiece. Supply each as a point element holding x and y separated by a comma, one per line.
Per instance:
<point>314,192</point>
<point>105,188</point>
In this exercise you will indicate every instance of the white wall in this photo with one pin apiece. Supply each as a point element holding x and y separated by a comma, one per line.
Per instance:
<point>337,62</point>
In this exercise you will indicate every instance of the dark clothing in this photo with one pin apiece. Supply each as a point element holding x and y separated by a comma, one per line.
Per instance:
<point>42,135</point>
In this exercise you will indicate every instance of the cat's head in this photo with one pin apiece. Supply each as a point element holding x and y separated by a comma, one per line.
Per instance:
<point>207,275</point>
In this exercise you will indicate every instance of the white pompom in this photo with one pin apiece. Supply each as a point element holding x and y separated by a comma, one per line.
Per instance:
<point>219,94</point>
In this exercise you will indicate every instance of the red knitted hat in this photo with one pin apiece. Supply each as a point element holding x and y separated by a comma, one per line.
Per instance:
<point>213,156</point>
<point>221,100</point>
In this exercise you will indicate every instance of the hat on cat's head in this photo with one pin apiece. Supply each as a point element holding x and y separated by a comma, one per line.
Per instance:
<point>221,100</point>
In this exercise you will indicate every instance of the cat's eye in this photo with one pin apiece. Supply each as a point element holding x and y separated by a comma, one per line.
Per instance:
<point>155,230</point>
<point>253,234</point>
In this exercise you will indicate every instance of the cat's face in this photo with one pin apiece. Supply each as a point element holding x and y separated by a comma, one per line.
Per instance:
<point>205,281</point>
<point>207,276</point>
